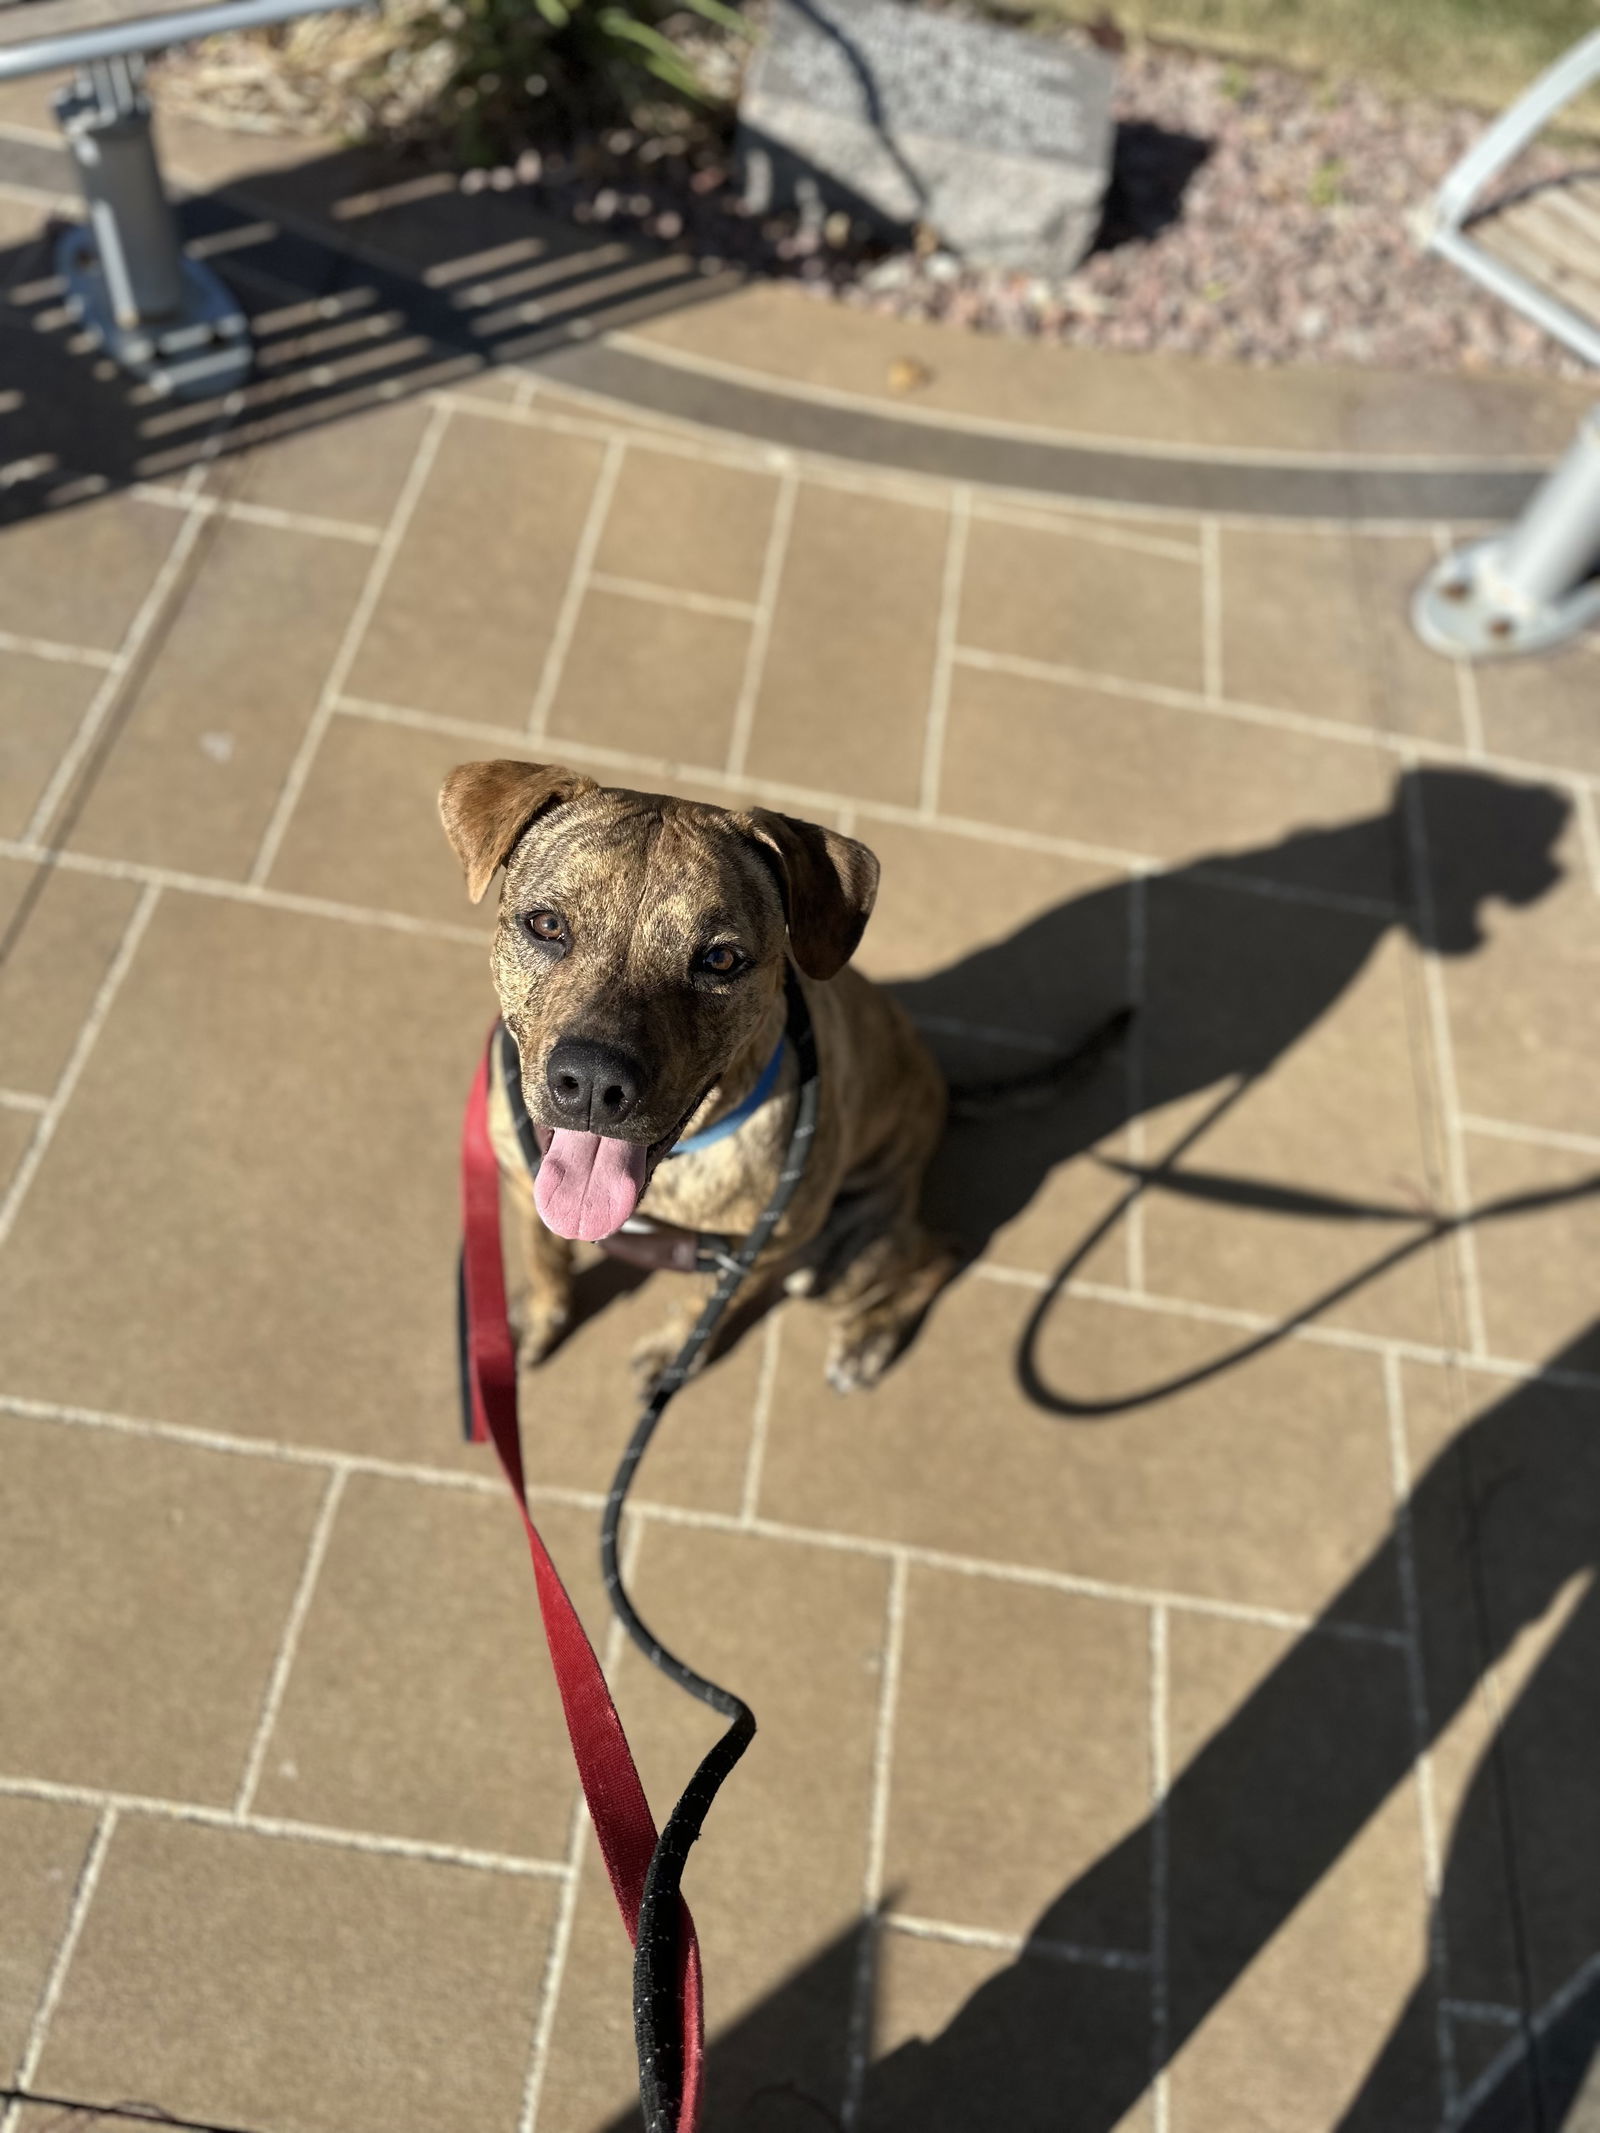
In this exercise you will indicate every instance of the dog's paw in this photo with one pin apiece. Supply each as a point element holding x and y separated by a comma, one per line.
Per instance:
<point>873,1333</point>
<point>650,1359</point>
<point>541,1331</point>
<point>858,1356</point>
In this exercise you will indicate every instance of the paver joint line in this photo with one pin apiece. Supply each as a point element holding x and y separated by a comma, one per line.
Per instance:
<point>1422,1769</point>
<point>1061,1951</point>
<point>645,1513</point>
<point>1441,1064</point>
<point>350,643</point>
<point>251,514</point>
<point>760,1415</point>
<point>1408,751</point>
<point>61,654</point>
<point>49,1998</point>
<point>1588,810</point>
<point>156,877</point>
<point>859,2041</point>
<point>945,649</point>
<point>1160,1781</point>
<point>772,563</point>
<point>288,1645</point>
<point>49,1117</point>
<point>327,1836</point>
<point>594,525</point>
<point>147,619</point>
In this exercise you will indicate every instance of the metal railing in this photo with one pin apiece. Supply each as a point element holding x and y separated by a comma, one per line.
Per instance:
<point>168,319</point>
<point>1534,586</point>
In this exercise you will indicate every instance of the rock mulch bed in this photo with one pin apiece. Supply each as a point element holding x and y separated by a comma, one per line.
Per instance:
<point>1290,240</point>
<point>1254,217</point>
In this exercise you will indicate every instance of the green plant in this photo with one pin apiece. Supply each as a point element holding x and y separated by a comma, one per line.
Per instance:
<point>1327,183</point>
<point>548,71</point>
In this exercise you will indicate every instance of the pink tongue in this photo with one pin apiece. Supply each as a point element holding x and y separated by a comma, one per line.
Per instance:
<point>588,1184</point>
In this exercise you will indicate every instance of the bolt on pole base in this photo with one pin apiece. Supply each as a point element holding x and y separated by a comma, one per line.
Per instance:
<point>204,349</point>
<point>1461,608</point>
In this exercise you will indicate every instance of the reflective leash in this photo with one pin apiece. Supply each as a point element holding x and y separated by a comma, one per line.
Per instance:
<point>646,1870</point>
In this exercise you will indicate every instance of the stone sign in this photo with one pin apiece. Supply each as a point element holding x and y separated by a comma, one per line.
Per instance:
<point>1000,142</point>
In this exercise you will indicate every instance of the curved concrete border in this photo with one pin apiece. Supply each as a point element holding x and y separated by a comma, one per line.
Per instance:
<point>1137,443</point>
<point>1147,478</point>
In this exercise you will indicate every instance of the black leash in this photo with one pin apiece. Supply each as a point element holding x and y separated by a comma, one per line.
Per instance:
<point>655,1963</point>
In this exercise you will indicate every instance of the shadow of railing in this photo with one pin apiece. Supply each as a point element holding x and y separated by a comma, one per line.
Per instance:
<point>366,281</point>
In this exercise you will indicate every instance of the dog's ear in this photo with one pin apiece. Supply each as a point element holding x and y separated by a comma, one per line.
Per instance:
<point>828,884</point>
<point>485,807</point>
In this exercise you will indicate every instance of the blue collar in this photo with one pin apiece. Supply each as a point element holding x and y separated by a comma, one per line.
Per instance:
<point>740,1112</point>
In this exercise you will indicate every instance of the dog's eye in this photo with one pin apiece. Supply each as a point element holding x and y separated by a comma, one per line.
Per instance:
<point>545,927</point>
<point>722,961</point>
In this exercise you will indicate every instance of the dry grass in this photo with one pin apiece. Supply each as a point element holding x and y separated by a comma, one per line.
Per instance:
<point>377,72</point>
<point>1479,52</point>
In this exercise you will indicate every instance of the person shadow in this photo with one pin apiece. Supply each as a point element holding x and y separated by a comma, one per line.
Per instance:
<point>1501,1530</point>
<point>1499,1535</point>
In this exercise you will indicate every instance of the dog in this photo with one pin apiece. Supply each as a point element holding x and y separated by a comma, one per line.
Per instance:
<point>640,959</point>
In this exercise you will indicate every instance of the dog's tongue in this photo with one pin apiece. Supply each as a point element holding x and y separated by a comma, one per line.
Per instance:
<point>588,1184</point>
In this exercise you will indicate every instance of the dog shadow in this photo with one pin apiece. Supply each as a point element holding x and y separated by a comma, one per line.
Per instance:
<point>1224,985</point>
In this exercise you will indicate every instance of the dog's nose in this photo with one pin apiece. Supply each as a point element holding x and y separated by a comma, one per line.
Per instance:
<point>593,1085</point>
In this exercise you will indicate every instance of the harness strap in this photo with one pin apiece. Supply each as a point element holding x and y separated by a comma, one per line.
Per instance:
<point>621,1815</point>
<point>745,1108</point>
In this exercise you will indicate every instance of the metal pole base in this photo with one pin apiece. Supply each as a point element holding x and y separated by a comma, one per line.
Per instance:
<point>203,349</point>
<point>1464,607</point>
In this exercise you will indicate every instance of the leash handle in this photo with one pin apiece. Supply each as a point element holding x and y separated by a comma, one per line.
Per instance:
<point>623,1824</point>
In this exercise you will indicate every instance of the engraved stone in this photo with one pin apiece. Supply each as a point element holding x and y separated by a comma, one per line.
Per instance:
<point>998,141</point>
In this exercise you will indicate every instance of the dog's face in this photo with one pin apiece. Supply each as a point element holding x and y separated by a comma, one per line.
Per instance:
<point>640,948</point>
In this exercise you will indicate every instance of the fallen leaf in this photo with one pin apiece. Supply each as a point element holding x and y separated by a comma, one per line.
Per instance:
<point>906,374</point>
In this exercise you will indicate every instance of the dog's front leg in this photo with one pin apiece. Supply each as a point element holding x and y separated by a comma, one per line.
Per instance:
<point>880,1302</point>
<point>690,1295</point>
<point>651,1355</point>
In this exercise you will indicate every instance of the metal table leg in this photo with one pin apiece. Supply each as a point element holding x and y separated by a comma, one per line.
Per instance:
<point>161,315</point>
<point>1533,587</point>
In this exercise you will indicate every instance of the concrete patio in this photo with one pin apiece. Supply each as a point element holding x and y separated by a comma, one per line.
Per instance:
<point>1178,1714</point>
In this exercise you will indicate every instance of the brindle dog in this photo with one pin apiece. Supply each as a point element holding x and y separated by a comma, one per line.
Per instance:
<point>640,959</point>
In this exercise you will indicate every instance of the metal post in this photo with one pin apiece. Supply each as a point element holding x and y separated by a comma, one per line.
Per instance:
<point>165,317</point>
<point>1529,589</point>
<point>106,120</point>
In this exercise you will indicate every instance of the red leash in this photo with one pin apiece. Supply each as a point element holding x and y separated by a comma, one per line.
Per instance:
<point>617,1806</point>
